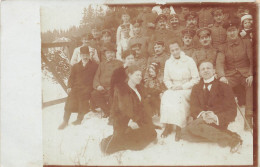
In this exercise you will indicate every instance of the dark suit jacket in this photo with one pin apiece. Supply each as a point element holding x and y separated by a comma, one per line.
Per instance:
<point>126,106</point>
<point>81,78</point>
<point>221,101</point>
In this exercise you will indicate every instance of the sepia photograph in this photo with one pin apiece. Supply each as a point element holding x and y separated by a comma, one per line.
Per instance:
<point>149,84</point>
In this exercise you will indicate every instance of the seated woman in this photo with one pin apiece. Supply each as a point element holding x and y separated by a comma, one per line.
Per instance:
<point>180,74</point>
<point>127,104</point>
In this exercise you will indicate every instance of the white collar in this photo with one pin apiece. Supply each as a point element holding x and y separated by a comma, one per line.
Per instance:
<point>209,80</point>
<point>182,54</point>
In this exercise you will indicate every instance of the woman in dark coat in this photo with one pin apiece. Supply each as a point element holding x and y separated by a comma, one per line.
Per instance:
<point>127,104</point>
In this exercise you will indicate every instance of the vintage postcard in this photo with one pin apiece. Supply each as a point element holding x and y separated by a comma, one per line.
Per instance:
<point>131,84</point>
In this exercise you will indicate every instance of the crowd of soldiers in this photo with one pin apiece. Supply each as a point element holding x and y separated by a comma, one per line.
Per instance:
<point>211,34</point>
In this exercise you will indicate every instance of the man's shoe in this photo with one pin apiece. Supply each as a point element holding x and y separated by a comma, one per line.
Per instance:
<point>77,122</point>
<point>236,148</point>
<point>63,125</point>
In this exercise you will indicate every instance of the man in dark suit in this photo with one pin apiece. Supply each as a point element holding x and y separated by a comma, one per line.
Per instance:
<point>212,108</point>
<point>80,86</point>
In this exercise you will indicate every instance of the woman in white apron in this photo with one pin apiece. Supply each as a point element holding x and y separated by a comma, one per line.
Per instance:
<point>180,74</point>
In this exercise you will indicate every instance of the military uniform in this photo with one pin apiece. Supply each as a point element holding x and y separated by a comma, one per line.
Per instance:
<point>205,52</point>
<point>188,50</point>
<point>218,33</point>
<point>205,17</point>
<point>236,64</point>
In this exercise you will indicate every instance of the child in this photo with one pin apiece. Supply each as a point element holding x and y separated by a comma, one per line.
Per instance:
<point>123,34</point>
<point>247,24</point>
<point>153,90</point>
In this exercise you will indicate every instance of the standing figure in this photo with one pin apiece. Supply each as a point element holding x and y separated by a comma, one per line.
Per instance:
<point>187,39</point>
<point>123,35</point>
<point>180,74</point>
<point>235,65</point>
<point>206,52</point>
<point>218,33</point>
<point>80,86</point>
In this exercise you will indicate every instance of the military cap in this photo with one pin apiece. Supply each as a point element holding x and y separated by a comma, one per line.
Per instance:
<point>106,32</point>
<point>231,23</point>
<point>203,31</point>
<point>188,31</point>
<point>217,11</point>
<point>191,15</point>
<point>84,50</point>
<point>159,42</point>
<point>109,47</point>
<point>159,17</point>
<point>174,16</point>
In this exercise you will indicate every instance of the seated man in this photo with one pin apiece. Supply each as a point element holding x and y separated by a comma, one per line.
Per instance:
<point>79,87</point>
<point>212,107</point>
<point>101,83</point>
<point>235,65</point>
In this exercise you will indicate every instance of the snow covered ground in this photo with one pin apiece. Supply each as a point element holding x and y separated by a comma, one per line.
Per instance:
<point>79,145</point>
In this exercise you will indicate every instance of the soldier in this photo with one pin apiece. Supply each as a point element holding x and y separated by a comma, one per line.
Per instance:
<point>161,33</point>
<point>187,38</point>
<point>205,17</point>
<point>218,33</point>
<point>175,26</point>
<point>140,57</point>
<point>138,36</point>
<point>192,23</point>
<point>206,52</point>
<point>106,38</point>
<point>184,12</point>
<point>148,18</point>
<point>160,56</point>
<point>102,79</point>
<point>235,65</point>
<point>166,11</point>
<point>96,32</point>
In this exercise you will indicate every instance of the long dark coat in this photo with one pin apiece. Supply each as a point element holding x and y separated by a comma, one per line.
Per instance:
<point>221,101</point>
<point>126,106</point>
<point>81,84</point>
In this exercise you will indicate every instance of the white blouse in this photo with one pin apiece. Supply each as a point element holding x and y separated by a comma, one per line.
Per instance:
<point>181,72</point>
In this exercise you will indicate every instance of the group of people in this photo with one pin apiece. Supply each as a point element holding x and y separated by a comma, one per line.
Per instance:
<point>183,68</point>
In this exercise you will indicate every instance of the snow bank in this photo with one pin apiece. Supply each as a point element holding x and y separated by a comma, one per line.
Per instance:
<point>79,145</point>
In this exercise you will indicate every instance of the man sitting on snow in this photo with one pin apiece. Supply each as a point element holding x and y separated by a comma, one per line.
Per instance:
<point>213,107</point>
<point>79,87</point>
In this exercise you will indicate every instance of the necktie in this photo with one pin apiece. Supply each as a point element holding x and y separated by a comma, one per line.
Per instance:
<point>206,91</point>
